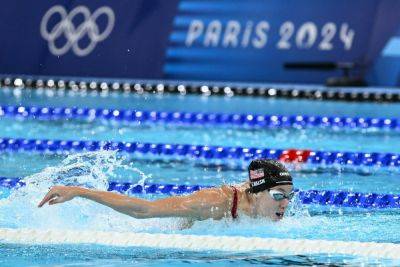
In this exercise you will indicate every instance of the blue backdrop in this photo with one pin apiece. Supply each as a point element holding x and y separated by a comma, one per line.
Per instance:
<point>237,40</point>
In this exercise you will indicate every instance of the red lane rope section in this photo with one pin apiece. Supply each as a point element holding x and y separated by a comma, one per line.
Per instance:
<point>295,155</point>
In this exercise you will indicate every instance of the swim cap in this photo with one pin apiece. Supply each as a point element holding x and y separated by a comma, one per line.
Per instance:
<point>267,173</point>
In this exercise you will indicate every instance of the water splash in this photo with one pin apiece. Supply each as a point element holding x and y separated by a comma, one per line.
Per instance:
<point>91,170</point>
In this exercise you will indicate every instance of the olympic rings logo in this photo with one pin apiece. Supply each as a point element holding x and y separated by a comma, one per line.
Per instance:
<point>74,33</point>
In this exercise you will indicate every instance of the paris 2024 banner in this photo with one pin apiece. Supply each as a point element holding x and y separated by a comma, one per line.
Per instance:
<point>221,40</point>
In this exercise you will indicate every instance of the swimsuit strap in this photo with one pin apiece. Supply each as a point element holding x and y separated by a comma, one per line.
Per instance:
<point>235,203</point>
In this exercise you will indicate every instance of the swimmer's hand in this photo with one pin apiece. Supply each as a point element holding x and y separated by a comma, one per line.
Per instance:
<point>59,194</point>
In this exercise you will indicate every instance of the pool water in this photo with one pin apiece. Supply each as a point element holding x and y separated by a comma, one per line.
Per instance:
<point>343,140</point>
<point>95,169</point>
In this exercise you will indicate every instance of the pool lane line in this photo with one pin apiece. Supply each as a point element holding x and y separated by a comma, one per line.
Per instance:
<point>294,156</point>
<point>200,242</point>
<point>206,89</point>
<point>316,197</point>
<point>199,118</point>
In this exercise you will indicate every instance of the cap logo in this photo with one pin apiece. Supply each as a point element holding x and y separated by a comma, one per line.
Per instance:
<point>256,174</point>
<point>256,183</point>
<point>284,174</point>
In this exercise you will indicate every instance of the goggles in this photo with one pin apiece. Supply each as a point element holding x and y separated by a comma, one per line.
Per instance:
<point>279,195</point>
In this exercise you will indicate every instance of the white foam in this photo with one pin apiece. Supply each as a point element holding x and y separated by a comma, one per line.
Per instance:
<point>89,169</point>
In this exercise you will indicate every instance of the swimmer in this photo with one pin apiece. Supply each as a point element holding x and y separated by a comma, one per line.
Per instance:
<point>266,194</point>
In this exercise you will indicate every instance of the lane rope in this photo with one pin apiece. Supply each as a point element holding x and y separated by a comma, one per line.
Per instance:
<point>198,118</point>
<point>170,87</point>
<point>200,242</point>
<point>205,152</point>
<point>318,197</point>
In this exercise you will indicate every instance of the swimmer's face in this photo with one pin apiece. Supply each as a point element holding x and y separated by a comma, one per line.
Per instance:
<point>267,206</point>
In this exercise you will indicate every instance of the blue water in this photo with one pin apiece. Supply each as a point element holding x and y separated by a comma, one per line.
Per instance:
<point>310,138</point>
<point>196,103</point>
<point>18,208</point>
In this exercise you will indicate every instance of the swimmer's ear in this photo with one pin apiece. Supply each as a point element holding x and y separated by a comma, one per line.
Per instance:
<point>248,191</point>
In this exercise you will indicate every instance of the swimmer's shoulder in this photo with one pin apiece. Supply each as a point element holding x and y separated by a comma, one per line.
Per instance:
<point>229,189</point>
<point>215,196</point>
<point>224,190</point>
<point>222,195</point>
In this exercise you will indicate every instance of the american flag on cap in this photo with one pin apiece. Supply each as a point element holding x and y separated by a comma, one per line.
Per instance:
<point>256,174</point>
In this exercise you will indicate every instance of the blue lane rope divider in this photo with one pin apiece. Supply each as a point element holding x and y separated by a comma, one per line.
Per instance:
<point>319,197</point>
<point>205,152</point>
<point>197,118</point>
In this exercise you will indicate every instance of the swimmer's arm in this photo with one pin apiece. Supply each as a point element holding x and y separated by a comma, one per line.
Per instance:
<point>207,203</point>
<point>201,205</point>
